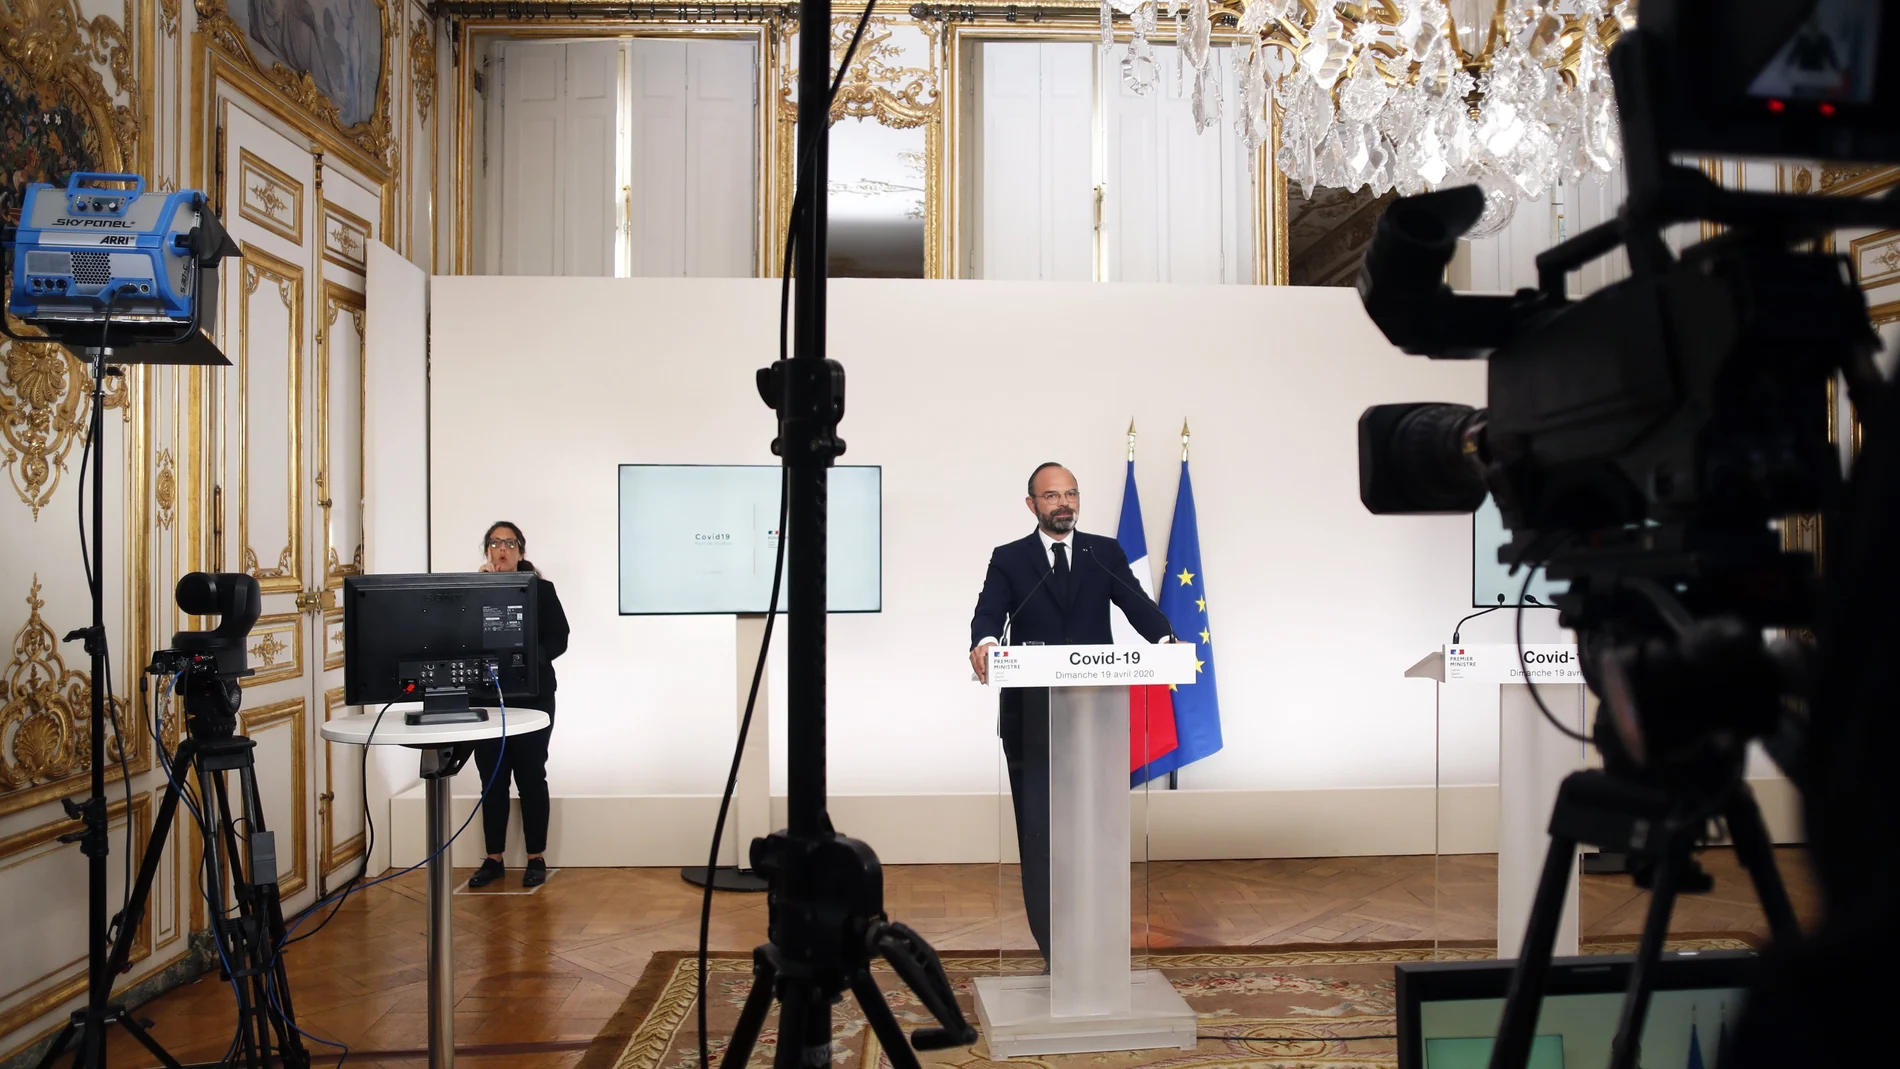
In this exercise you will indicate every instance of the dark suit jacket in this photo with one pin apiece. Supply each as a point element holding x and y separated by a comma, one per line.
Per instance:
<point>1015,592</point>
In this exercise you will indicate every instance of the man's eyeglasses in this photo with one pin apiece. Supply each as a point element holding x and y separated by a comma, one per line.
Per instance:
<point>1056,497</point>
<point>503,543</point>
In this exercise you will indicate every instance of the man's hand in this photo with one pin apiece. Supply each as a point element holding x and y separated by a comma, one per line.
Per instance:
<point>980,661</point>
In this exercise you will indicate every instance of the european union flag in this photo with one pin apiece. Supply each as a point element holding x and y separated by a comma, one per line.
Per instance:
<point>1184,601</point>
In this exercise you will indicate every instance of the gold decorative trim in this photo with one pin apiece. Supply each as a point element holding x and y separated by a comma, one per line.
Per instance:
<point>333,638</point>
<point>287,573</point>
<point>338,301</point>
<point>1856,179</point>
<point>46,718</point>
<point>292,878</point>
<point>165,489</point>
<point>269,197</point>
<point>168,16</point>
<point>374,136</point>
<point>271,639</point>
<point>346,237</point>
<point>335,854</point>
<point>32,1009</point>
<point>44,409</point>
<point>1881,250</point>
<point>422,68</point>
<point>51,43</point>
<point>902,98</point>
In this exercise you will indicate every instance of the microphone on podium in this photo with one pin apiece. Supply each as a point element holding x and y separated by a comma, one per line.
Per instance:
<point>1110,572</point>
<point>1009,619</point>
<point>1474,616</point>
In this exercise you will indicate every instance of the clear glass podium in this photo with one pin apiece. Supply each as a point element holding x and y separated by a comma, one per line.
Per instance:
<point>1092,998</point>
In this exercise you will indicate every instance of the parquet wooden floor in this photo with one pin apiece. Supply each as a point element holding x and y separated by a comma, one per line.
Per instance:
<point>552,967</point>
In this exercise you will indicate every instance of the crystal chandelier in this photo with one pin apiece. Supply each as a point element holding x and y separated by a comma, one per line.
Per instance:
<point>1409,95</point>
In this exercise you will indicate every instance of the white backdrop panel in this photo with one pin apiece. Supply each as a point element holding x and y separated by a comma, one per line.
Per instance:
<point>958,389</point>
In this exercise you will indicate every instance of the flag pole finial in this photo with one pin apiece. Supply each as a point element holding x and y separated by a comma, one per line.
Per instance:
<point>1184,441</point>
<point>1131,441</point>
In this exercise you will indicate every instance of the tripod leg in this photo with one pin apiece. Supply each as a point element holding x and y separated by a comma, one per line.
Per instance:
<point>265,919</point>
<point>758,1003</point>
<point>145,1039</point>
<point>60,1043</point>
<point>1662,901</point>
<point>883,1023</point>
<point>1519,1024</point>
<point>804,1025</point>
<point>223,865</point>
<point>1757,855</point>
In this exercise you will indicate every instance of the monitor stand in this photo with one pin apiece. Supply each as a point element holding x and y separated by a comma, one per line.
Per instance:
<point>445,705</point>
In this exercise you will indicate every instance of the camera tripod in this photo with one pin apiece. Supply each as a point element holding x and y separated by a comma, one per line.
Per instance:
<point>1657,829</point>
<point>246,946</point>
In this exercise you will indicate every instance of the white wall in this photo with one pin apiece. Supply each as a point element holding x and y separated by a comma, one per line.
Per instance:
<point>1317,606</point>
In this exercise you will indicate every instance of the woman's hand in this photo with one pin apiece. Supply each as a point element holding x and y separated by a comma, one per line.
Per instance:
<point>488,566</point>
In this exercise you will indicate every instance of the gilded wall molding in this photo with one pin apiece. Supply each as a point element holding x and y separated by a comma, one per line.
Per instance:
<point>46,717</point>
<point>878,86</point>
<point>422,68</point>
<point>374,135</point>
<point>45,406</point>
<point>50,55</point>
<point>286,574</point>
<point>165,489</point>
<point>290,716</point>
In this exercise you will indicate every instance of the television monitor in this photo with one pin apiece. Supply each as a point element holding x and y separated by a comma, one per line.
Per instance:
<point>702,539</point>
<point>1449,1011</point>
<point>1492,583</point>
<point>437,639</point>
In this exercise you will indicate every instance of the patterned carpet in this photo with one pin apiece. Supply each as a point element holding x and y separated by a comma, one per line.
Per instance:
<point>1291,1007</point>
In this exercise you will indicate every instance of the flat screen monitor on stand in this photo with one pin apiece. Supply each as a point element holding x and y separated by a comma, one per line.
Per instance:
<point>449,641</point>
<point>702,539</point>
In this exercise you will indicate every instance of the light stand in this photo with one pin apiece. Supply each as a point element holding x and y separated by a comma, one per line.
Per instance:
<point>144,342</point>
<point>827,891</point>
<point>94,838</point>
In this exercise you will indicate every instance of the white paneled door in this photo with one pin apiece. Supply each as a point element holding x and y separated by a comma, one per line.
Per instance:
<point>1079,177</point>
<point>289,467</point>
<point>559,130</point>
<point>1177,201</point>
<point>625,157</point>
<point>1034,209</point>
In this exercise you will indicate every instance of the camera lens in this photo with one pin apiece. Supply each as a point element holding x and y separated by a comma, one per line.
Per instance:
<point>1413,458</point>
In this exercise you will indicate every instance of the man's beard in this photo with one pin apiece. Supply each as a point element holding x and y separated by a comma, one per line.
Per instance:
<point>1062,522</point>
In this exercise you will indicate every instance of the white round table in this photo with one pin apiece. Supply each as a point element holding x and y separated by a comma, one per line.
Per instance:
<point>445,747</point>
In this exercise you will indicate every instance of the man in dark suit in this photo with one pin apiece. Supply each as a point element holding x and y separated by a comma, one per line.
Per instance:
<point>1038,591</point>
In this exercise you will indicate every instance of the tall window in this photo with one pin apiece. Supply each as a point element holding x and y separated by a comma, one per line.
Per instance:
<point>620,157</point>
<point>1071,175</point>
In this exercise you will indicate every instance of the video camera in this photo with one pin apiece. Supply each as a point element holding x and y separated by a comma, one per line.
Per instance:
<point>1641,442</point>
<point>210,663</point>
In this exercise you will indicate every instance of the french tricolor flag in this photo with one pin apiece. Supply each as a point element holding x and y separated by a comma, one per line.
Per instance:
<point>1151,731</point>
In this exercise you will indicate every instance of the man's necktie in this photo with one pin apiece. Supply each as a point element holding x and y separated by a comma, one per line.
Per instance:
<point>1062,572</point>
